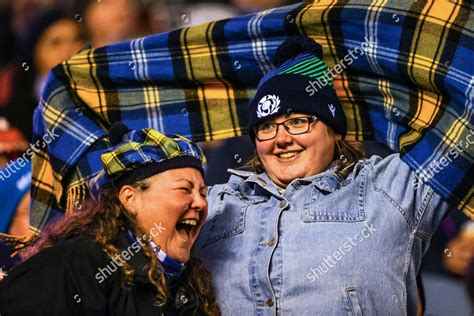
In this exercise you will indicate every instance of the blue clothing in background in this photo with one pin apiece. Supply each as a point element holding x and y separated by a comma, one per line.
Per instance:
<point>15,181</point>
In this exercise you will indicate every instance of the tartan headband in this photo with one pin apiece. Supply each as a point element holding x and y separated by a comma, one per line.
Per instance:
<point>138,154</point>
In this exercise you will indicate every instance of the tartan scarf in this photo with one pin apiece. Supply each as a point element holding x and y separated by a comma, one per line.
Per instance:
<point>411,88</point>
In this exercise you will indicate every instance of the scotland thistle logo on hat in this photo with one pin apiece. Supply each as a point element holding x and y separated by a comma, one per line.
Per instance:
<point>267,105</point>
<point>284,89</point>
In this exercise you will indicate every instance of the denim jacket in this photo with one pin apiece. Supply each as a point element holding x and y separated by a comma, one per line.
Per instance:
<point>328,245</point>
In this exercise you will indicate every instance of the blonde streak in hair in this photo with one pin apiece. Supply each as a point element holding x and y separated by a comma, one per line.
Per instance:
<point>160,283</point>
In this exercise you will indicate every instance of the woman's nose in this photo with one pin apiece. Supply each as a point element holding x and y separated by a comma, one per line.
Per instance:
<point>199,203</point>
<point>282,136</point>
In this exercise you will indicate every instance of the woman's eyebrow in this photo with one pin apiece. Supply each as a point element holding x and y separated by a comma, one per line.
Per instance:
<point>191,183</point>
<point>183,179</point>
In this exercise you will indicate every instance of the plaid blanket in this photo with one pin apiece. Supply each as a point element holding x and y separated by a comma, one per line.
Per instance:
<point>409,83</point>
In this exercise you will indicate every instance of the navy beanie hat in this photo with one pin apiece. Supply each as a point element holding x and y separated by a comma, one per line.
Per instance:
<point>300,83</point>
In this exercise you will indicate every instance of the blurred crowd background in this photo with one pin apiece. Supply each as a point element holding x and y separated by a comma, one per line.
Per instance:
<point>36,35</point>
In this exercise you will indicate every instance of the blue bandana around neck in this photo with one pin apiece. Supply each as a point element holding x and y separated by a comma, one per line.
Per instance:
<point>173,269</point>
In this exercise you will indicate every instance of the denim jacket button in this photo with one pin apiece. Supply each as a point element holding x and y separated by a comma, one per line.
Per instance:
<point>271,242</point>
<point>268,302</point>
<point>282,203</point>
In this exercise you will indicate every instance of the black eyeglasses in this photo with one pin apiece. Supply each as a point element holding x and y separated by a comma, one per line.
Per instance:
<point>294,126</point>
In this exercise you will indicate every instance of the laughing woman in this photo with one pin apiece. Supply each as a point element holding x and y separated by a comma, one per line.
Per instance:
<point>127,251</point>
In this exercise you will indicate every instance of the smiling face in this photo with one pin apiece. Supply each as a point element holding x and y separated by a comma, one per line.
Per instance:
<point>287,157</point>
<point>171,209</point>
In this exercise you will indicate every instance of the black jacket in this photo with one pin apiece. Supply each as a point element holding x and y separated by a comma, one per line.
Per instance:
<point>67,280</point>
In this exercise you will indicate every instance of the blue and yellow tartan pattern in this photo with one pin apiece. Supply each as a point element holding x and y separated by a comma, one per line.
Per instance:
<point>412,89</point>
<point>139,148</point>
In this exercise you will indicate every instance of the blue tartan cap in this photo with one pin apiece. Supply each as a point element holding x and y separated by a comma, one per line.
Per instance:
<point>138,154</point>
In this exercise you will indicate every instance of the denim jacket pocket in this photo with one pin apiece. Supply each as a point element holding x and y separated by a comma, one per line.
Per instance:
<point>323,206</point>
<point>229,219</point>
<point>354,302</point>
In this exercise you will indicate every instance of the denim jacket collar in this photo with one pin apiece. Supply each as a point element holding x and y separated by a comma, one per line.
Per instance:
<point>328,180</point>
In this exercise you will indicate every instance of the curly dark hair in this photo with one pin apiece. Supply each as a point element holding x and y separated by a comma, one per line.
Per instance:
<point>102,221</point>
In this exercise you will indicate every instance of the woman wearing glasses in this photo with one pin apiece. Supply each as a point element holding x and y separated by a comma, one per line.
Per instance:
<point>315,229</point>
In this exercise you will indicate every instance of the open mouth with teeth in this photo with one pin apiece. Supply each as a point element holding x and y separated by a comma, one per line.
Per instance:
<point>187,228</point>
<point>288,155</point>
